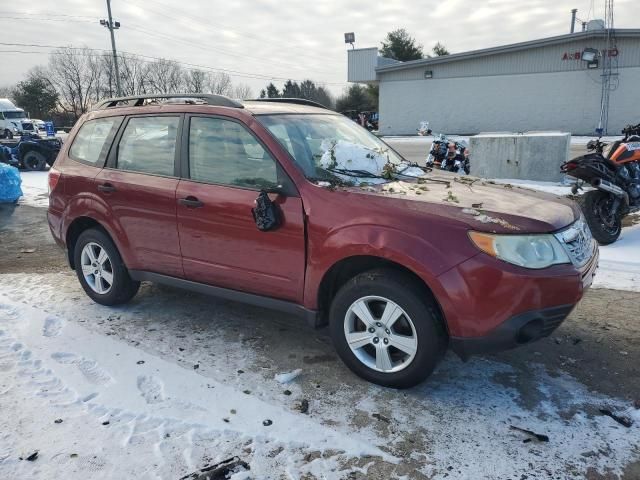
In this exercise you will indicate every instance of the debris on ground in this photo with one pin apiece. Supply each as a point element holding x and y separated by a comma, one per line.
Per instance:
<point>27,250</point>
<point>140,362</point>
<point>31,458</point>
<point>380,417</point>
<point>267,423</point>
<point>57,420</point>
<point>303,407</point>
<point>624,421</point>
<point>287,392</point>
<point>226,469</point>
<point>532,435</point>
<point>287,377</point>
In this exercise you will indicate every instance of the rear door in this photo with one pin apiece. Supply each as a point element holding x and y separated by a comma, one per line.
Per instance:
<point>138,187</point>
<point>226,166</point>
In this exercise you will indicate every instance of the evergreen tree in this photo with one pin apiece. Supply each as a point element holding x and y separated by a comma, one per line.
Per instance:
<point>355,98</point>
<point>291,90</point>
<point>272,91</point>
<point>440,50</point>
<point>399,45</point>
<point>36,95</point>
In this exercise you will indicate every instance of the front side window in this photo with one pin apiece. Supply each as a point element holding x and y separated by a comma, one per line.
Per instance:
<point>148,145</point>
<point>91,139</point>
<point>224,152</point>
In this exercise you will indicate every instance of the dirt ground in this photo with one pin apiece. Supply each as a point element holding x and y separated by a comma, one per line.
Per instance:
<point>598,345</point>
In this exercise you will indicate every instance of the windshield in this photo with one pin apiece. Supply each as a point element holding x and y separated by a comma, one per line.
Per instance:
<point>14,114</point>
<point>333,146</point>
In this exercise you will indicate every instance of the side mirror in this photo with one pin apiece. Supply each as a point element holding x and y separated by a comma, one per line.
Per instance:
<point>266,214</point>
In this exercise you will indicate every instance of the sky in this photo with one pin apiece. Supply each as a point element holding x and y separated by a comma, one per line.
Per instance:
<point>257,41</point>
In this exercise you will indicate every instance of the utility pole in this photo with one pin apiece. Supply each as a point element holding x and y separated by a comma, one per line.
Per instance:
<point>111,25</point>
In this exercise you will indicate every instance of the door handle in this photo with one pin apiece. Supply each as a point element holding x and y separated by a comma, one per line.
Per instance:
<point>106,188</point>
<point>191,202</point>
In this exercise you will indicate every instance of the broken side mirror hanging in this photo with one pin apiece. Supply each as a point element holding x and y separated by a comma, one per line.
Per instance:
<point>266,214</point>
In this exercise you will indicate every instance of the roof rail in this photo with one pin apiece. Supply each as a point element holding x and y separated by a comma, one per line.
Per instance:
<point>299,101</point>
<point>139,100</point>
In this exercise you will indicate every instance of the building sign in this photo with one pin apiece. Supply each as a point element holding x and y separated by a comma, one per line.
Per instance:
<point>578,54</point>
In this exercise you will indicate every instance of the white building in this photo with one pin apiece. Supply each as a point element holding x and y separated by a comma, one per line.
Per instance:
<point>545,84</point>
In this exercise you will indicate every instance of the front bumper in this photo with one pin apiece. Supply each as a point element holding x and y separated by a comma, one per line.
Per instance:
<point>492,306</point>
<point>519,330</point>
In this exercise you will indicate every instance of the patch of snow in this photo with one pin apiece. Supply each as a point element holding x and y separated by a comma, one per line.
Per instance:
<point>112,396</point>
<point>287,377</point>
<point>619,267</point>
<point>35,189</point>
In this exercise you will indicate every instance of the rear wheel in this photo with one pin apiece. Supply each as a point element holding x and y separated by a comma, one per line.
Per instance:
<point>34,161</point>
<point>604,225</point>
<point>100,269</point>
<point>386,329</point>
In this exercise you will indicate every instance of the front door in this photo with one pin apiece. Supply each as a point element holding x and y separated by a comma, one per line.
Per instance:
<point>220,243</point>
<point>138,186</point>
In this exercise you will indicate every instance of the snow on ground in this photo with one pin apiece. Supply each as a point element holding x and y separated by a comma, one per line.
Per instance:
<point>620,262</point>
<point>64,357</point>
<point>34,188</point>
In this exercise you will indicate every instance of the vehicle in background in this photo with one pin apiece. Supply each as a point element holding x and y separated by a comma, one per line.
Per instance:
<point>242,201</point>
<point>40,126</point>
<point>614,171</point>
<point>11,119</point>
<point>30,152</point>
<point>450,155</point>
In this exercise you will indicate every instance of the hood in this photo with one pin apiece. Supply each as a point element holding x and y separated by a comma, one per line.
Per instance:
<point>482,204</point>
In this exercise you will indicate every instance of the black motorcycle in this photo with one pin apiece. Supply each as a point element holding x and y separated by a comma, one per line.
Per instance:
<point>452,161</point>
<point>613,170</point>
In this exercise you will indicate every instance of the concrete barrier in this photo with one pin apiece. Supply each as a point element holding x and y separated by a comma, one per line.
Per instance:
<point>524,156</point>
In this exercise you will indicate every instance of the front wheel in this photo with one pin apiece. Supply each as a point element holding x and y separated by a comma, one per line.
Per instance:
<point>386,329</point>
<point>8,134</point>
<point>604,225</point>
<point>100,269</point>
<point>34,161</point>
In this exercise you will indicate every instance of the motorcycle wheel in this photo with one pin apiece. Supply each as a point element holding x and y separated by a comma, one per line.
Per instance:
<point>34,161</point>
<point>596,206</point>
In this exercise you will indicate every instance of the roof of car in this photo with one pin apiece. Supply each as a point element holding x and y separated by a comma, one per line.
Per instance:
<point>259,107</point>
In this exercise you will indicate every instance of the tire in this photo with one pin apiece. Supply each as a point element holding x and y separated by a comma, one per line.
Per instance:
<point>8,134</point>
<point>419,320</point>
<point>121,287</point>
<point>604,228</point>
<point>33,161</point>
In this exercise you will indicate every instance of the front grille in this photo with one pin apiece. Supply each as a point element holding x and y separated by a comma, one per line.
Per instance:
<point>577,242</point>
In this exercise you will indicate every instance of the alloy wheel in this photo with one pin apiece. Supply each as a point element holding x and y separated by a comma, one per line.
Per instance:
<point>97,268</point>
<point>380,334</point>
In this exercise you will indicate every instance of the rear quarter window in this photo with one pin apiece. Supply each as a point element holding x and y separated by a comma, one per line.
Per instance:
<point>92,141</point>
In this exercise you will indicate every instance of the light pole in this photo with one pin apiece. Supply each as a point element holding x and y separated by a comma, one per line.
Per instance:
<point>111,25</point>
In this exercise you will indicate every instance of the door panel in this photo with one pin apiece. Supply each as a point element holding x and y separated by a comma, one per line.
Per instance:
<point>145,208</point>
<point>222,246</point>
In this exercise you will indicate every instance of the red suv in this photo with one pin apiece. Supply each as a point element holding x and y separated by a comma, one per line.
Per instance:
<point>253,202</point>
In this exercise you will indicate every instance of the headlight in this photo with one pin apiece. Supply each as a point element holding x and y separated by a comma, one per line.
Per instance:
<point>529,251</point>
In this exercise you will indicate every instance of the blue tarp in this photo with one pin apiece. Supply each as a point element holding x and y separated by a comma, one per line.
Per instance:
<point>10,181</point>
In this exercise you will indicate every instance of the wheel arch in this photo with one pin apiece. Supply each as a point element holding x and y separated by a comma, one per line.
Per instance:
<point>75,229</point>
<point>346,268</point>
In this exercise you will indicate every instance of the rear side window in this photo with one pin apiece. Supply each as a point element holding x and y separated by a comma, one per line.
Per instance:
<point>92,138</point>
<point>148,145</point>
<point>224,152</point>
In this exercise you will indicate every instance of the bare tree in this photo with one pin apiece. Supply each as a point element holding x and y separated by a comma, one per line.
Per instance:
<point>220,84</point>
<point>196,81</point>
<point>76,73</point>
<point>6,92</point>
<point>164,76</point>
<point>134,73</point>
<point>242,91</point>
